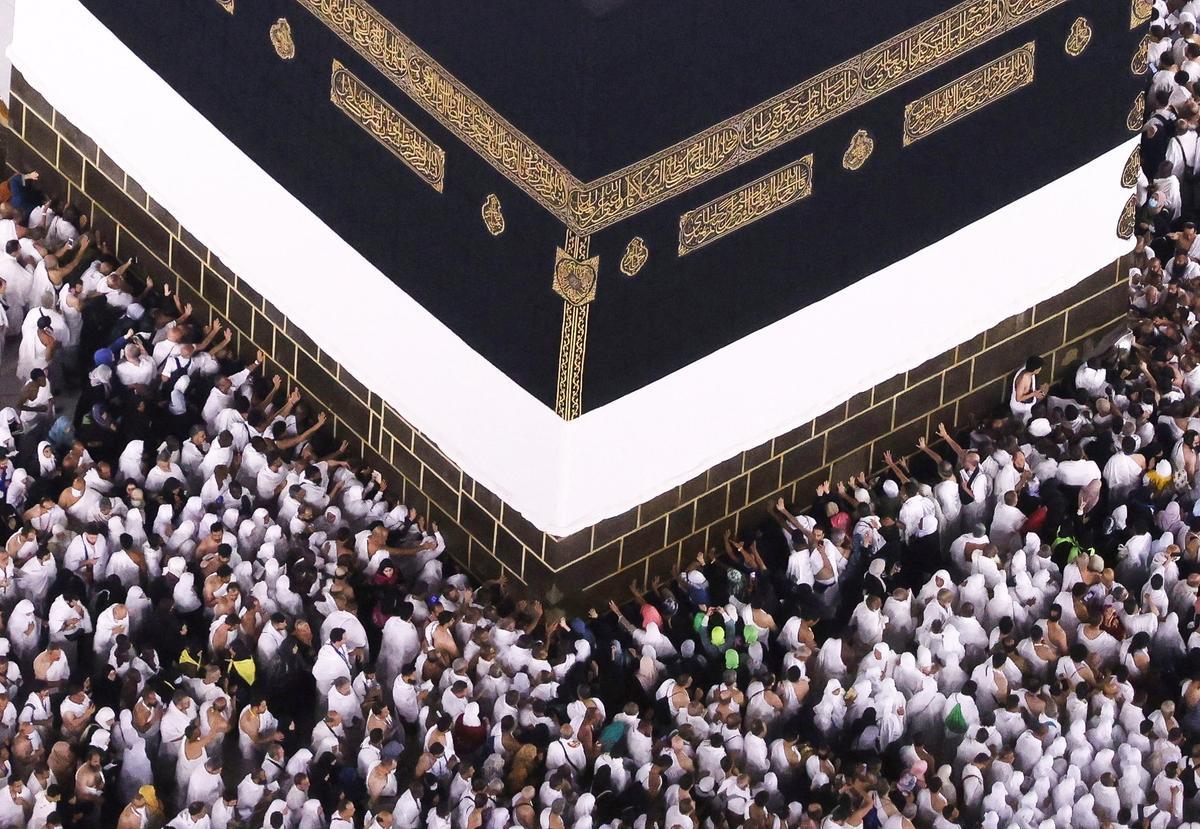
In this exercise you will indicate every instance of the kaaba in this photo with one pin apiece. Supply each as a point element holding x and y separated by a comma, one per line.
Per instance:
<point>592,248</point>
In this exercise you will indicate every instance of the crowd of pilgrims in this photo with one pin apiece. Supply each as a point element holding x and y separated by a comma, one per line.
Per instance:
<point>213,619</point>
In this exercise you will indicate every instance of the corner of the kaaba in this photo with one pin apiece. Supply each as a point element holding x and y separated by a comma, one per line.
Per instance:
<point>585,293</point>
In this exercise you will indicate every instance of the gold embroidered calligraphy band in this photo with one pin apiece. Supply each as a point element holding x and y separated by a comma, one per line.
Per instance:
<point>445,98</point>
<point>568,396</point>
<point>387,126</point>
<point>587,207</point>
<point>747,204</point>
<point>970,93</point>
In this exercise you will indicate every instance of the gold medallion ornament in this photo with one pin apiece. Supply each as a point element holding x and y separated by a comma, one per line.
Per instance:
<point>1129,175</point>
<point>1139,12</point>
<point>1127,222</point>
<point>575,279</point>
<point>860,149</point>
<point>493,216</point>
<point>1079,37</point>
<point>1137,113</point>
<point>1140,64</point>
<point>281,39</point>
<point>636,254</point>
<point>227,5</point>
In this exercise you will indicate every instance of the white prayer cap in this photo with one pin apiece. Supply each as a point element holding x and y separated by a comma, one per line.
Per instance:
<point>696,578</point>
<point>135,310</point>
<point>1134,272</point>
<point>1039,427</point>
<point>926,490</point>
<point>1163,468</point>
<point>705,786</point>
<point>890,488</point>
<point>862,496</point>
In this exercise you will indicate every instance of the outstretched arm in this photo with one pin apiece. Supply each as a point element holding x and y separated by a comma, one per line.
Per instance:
<point>288,443</point>
<point>944,434</point>
<point>924,446</point>
<point>896,470</point>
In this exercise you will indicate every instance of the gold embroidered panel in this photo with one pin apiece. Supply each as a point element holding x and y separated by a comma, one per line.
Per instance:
<point>493,214</point>
<point>1079,37</point>
<point>387,126</point>
<point>1127,221</point>
<point>1133,165</point>
<point>860,149</point>
<point>968,94</point>
<point>574,277</point>
<point>635,256</point>
<point>281,39</point>
<point>587,207</point>
<point>1140,63</point>
<point>1139,12</point>
<point>747,204</point>
<point>572,350</point>
<point>575,281</point>
<point>1133,121</point>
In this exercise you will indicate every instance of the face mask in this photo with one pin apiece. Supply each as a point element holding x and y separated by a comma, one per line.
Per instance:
<point>1153,203</point>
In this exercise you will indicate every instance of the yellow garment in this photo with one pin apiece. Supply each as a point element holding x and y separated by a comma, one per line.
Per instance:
<point>245,668</point>
<point>151,797</point>
<point>1160,482</point>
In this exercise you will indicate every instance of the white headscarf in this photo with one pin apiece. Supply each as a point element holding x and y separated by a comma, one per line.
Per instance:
<point>184,594</point>
<point>46,465</point>
<point>830,712</point>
